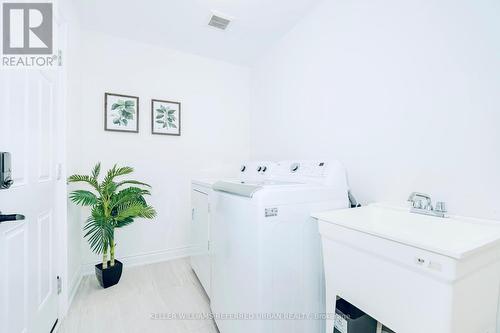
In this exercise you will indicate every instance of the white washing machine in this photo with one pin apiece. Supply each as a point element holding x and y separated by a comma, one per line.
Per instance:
<point>267,273</point>
<point>200,217</point>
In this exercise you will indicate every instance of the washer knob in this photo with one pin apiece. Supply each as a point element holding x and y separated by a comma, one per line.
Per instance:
<point>259,168</point>
<point>243,168</point>
<point>294,167</point>
<point>264,168</point>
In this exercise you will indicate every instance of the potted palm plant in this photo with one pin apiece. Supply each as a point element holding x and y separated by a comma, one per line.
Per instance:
<point>114,204</point>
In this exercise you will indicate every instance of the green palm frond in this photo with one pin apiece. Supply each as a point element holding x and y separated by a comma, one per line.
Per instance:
<point>127,195</point>
<point>124,222</point>
<point>117,171</point>
<point>84,198</point>
<point>134,209</point>
<point>98,230</point>
<point>96,171</point>
<point>131,182</point>
<point>107,189</point>
<point>99,234</point>
<point>108,185</point>
<point>84,179</point>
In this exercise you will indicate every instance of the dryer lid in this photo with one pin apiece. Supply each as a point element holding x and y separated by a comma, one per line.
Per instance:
<point>247,189</point>
<point>242,189</point>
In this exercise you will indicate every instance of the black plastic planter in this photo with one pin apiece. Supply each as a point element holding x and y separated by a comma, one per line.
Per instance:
<point>109,276</point>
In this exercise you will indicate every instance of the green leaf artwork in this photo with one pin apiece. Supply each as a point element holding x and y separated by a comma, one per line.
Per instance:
<point>165,117</point>
<point>124,112</point>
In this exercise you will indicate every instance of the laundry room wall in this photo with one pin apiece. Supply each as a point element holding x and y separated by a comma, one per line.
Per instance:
<point>215,133</point>
<point>404,93</point>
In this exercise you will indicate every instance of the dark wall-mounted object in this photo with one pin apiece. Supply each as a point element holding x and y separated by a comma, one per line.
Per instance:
<point>5,170</point>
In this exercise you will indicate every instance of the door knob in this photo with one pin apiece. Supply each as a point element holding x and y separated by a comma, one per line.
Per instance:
<point>11,217</point>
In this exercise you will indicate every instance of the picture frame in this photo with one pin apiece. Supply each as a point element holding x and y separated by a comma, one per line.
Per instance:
<point>121,113</point>
<point>165,117</point>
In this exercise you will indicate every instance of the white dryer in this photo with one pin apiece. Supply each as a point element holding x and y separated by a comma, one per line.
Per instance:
<point>267,273</point>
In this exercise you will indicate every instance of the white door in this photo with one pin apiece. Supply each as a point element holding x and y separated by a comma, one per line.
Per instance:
<point>28,279</point>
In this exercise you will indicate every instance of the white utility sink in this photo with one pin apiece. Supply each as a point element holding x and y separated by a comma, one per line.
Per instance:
<point>414,273</point>
<point>456,237</point>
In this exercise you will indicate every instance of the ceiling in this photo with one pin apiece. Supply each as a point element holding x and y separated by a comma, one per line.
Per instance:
<point>182,24</point>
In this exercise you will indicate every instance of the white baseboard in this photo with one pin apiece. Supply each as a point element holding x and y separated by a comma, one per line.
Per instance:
<point>147,258</point>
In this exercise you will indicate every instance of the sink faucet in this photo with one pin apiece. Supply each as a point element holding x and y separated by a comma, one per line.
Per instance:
<point>420,200</point>
<point>422,204</point>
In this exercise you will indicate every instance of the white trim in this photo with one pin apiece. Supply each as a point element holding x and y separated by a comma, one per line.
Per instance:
<point>59,173</point>
<point>146,258</point>
<point>74,285</point>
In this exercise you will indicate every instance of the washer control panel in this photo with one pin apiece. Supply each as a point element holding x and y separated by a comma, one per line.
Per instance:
<point>324,172</point>
<point>256,169</point>
<point>303,168</point>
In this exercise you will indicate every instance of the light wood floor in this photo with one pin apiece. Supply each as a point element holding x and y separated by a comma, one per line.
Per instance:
<point>144,291</point>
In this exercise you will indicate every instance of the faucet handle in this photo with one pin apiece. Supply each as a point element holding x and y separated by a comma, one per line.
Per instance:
<point>411,197</point>
<point>417,204</point>
<point>441,207</point>
<point>418,195</point>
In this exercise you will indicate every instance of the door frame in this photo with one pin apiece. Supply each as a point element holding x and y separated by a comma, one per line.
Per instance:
<point>61,29</point>
<point>66,25</point>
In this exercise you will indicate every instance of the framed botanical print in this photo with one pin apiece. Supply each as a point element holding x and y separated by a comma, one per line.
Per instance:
<point>121,113</point>
<point>165,117</point>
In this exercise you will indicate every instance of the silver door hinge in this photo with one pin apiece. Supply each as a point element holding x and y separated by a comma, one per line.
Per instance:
<point>59,285</point>
<point>59,171</point>
<point>209,208</point>
<point>208,245</point>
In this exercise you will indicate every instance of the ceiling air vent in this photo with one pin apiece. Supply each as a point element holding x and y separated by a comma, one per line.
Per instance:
<point>219,22</point>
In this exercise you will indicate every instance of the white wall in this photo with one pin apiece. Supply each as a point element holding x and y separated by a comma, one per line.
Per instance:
<point>215,131</point>
<point>405,93</point>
